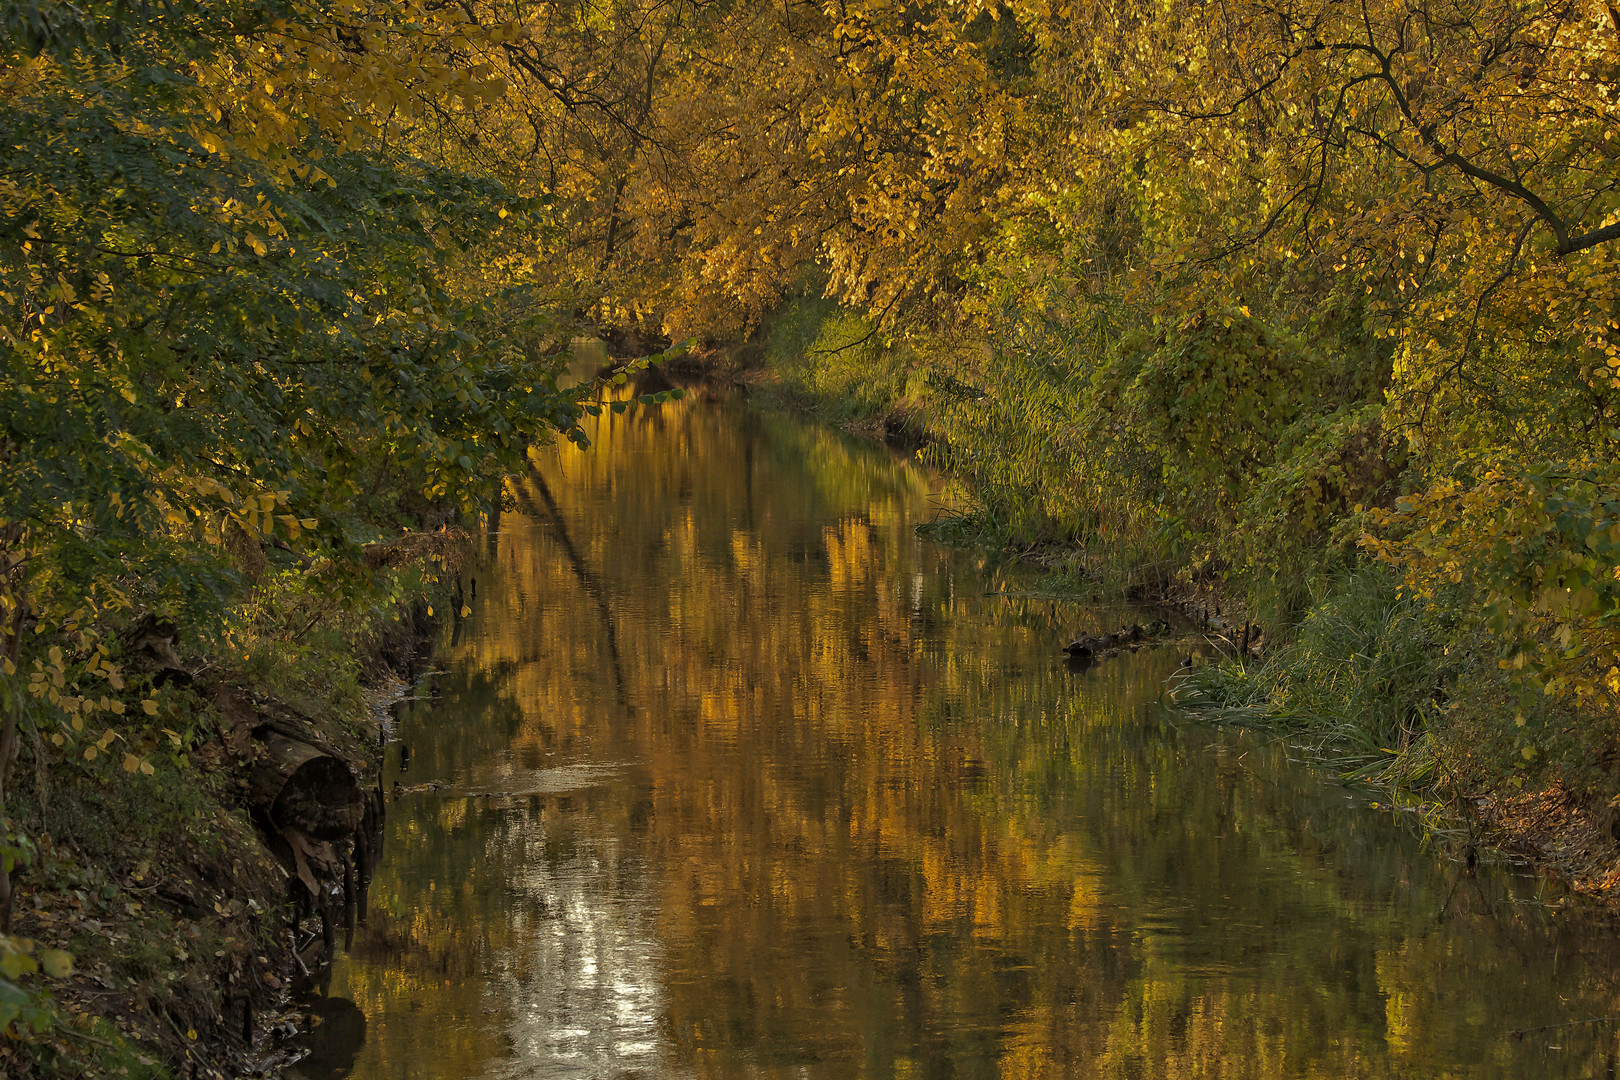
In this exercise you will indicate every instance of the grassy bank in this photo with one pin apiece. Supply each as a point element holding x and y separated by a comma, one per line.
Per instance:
<point>1382,687</point>
<point>1381,681</point>
<point>816,357</point>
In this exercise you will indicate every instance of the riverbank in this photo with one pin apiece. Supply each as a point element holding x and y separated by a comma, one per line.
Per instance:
<point>1376,685</point>
<point>195,891</point>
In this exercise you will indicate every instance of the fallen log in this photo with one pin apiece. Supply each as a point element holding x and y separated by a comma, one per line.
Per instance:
<point>297,785</point>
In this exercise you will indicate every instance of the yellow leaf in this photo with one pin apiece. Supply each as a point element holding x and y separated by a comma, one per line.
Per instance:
<point>57,964</point>
<point>150,706</point>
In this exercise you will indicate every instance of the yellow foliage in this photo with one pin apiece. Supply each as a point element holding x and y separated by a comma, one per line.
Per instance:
<point>1542,548</point>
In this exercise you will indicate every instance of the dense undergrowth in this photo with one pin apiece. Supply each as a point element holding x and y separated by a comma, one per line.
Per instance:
<point>148,878</point>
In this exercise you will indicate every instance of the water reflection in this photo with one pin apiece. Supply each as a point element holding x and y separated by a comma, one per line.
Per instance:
<point>337,1034</point>
<point>742,779</point>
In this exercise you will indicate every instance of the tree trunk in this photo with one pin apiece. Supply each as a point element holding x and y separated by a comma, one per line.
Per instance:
<point>13,587</point>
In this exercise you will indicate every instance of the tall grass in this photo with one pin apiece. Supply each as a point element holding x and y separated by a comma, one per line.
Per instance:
<point>1012,424</point>
<point>1360,680</point>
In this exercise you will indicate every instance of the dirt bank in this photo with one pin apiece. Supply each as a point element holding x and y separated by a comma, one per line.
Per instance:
<point>196,898</point>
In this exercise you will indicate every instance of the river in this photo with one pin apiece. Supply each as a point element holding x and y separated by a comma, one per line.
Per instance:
<point>738,777</point>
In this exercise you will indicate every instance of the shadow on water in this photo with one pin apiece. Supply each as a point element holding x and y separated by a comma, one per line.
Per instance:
<point>737,777</point>
<point>337,1034</point>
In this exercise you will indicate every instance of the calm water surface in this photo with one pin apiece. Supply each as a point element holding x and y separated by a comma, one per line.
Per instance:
<point>742,779</point>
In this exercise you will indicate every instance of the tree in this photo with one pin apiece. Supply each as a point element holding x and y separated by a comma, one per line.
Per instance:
<point>231,311</point>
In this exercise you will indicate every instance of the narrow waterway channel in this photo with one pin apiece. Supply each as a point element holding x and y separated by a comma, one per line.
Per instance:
<point>737,777</point>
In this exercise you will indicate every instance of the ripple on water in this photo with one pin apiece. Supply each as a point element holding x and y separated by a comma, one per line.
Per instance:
<point>745,780</point>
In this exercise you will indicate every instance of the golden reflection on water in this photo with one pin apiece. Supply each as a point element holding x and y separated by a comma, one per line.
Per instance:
<point>742,779</point>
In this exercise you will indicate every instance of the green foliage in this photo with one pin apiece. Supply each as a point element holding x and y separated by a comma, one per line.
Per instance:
<point>1497,736</point>
<point>245,335</point>
<point>1540,548</point>
<point>1008,428</point>
<point>1217,441</point>
<point>22,1006</point>
<point>1361,678</point>
<point>214,350</point>
<point>1407,691</point>
<point>1213,399</point>
<point>1300,516</point>
<point>838,361</point>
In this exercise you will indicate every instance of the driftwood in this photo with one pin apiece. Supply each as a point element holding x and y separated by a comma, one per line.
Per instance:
<point>297,785</point>
<point>1102,646</point>
<point>309,860</point>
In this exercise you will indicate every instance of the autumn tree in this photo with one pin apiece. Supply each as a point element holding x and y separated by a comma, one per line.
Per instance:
<point>232,322</point>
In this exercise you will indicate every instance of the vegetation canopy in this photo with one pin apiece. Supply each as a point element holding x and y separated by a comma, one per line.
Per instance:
<point>1255,292</point>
